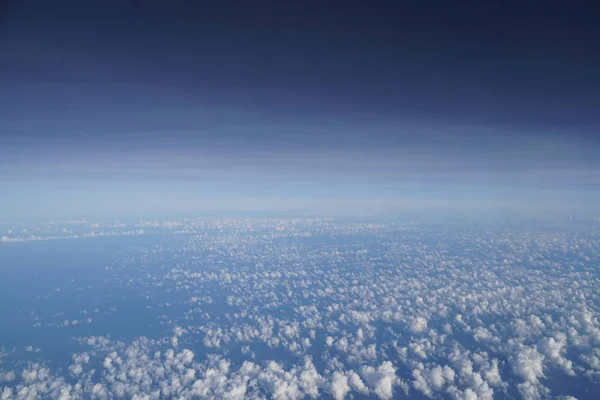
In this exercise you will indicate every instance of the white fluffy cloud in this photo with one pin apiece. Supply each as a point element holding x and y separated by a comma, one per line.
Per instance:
<point>418,325</point>
<point>529,365</point>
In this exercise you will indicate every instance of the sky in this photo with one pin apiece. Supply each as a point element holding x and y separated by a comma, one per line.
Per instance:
<point>119,107</point>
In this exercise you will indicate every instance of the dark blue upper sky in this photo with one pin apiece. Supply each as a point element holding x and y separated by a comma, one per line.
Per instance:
<point>274,99</point>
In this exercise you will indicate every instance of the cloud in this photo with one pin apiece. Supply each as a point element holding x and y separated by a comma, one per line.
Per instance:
<point>431,381</point>
<point>554,349</point>
<point>382,380</point>
<point>418,325</point>
<point>339,386</point>
<point>529,365</point>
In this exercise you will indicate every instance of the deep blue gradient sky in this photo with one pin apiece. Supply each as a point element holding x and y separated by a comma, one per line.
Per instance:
<point>121,106</point>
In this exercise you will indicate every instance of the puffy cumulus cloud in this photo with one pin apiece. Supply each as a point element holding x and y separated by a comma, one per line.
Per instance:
<point>356,383</point>
<point>383,380</point>
<point>432,381</point>
<point>177,332</point>
<point>216,380</point>
<point>458,394</point>
<point>529,365</point>
<point>481,334</point>
<point>532,391</point>
<point>491,374</point>
<point>139,371</point>
<point>79,360</point>
<point>475,372</point>
<point>554,349</point>
<point>339,386</point>
<point>592,360</point>
<point>421,347</point>
<point>587,322</point>
<point>38,382</point>
<point>7,376</point>
<point>296,383</point>
<point>6,393</point>
<point>418,325</point>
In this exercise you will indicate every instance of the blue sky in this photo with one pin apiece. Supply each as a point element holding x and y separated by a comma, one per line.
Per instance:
<point>116,107</point>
